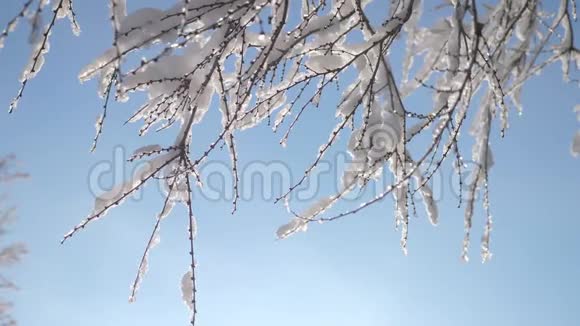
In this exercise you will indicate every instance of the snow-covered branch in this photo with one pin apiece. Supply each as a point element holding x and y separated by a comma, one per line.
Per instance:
<point>275,59</point>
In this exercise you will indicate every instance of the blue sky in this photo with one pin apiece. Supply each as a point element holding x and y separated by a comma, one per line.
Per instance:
<point>350,272</point>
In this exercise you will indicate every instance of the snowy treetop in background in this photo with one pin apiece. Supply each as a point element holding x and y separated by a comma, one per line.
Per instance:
<point>10,254</point>
<point>272,60</point>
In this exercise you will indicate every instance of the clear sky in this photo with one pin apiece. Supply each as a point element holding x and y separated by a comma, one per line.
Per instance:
<point>351,272</point>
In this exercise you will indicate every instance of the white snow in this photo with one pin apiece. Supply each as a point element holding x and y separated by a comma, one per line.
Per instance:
<point>187,289</point>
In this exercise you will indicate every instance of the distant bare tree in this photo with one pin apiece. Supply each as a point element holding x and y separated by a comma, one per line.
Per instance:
<point>10,254</point>
<point>272,60</point>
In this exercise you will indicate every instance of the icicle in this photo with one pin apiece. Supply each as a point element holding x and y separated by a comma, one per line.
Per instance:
<point>485,252</point>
